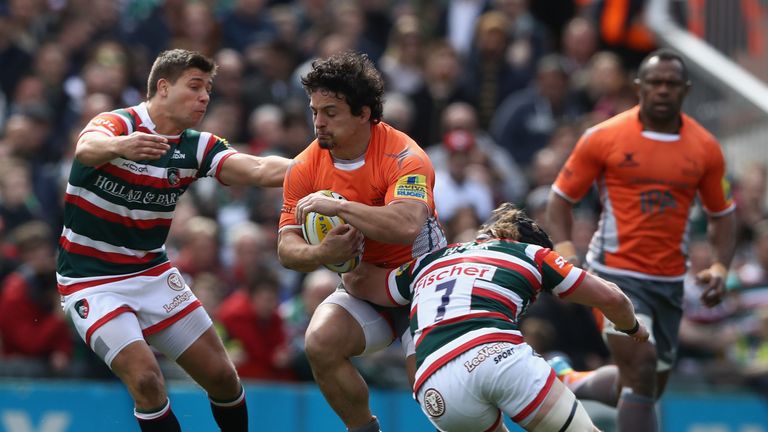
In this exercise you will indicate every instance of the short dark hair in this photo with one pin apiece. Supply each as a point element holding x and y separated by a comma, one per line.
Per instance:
<point>171,64</point>
<point>507,221</point>
<point>350,75</point>
<point>662,54</point>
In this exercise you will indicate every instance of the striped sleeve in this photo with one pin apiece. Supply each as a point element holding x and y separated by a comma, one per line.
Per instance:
<point>108,123</point>
<point>558,275</point>
<point>212,151</point>
<point>399,283</point>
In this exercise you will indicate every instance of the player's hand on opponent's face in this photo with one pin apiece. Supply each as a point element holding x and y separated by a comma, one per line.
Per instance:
<point>140,146</point>
<point>316,202</point>
<point>342,243</point>
<point>713,282</point>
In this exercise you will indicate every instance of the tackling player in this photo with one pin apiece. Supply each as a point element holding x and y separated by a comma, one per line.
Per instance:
<point>466,302</point>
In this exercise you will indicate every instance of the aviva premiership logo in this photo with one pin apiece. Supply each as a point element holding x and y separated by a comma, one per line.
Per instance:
<point>174,176</point>
<point>82,308</point>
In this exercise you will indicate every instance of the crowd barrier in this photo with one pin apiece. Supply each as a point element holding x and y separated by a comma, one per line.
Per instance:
<point>88,406</point>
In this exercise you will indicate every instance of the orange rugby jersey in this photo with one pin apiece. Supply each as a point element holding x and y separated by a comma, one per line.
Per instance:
<point>393,168</point>
<point>647,183</point>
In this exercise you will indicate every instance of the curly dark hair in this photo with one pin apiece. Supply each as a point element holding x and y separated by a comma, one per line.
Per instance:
<point>507,221</point>
<point>351,76</point>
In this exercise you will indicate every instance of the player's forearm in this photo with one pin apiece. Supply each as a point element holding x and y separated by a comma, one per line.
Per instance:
<point>297,255</point>
<point>96,149</point>
<point>394,223</point>
<point>272,170</point>
<point>597,292</point>
<point>722,236</point>
<point>618,308</point>
<point>242,169</point>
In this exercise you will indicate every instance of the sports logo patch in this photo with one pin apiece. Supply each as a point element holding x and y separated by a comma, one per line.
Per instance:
<point>174,176</point>
<point>82,308</point>
<point>411,186</point>
<point>434,403</point>
<point>175,281</point>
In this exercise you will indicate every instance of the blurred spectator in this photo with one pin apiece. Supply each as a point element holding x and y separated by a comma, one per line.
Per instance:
<point>349,19</point>
<point>250,316</point>
<point>297,311</point>
<point>507,179</point>
<point>579,44</point>
<point>399,112</point>
<point>441,87</point>
<point>199,250</point>
<point>273,83</point>
<point>401,64</point>
<point>752,276</point>
<point>19,204</point>
<point>32,325</point>
<point>247,250</point>
<point>14,58</point>
<point>265,129</point>
<point>609,90</point>
<point>457,184</point>
<point>199,30</point>
<point>457,23</point>
<point>750,196</point>
<point>490,73</point>
<point>249,22</point>
<point>526,119</point>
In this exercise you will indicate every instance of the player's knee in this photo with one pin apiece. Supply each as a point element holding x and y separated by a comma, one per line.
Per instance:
<point>148,388</point>
<point>323,344</point>
<point>639,373</point>
<point>222,383</point>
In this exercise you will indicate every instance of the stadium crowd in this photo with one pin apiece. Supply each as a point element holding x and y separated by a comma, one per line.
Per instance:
<point>496,91</point>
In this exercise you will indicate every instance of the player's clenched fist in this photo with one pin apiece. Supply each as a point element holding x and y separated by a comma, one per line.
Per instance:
<point>143,146</point>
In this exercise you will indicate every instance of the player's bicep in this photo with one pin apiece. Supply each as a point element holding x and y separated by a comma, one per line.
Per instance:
<point>581,169</point>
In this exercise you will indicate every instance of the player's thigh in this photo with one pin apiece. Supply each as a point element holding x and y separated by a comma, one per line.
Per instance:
<point>560,411</point>
<point>352,326</point>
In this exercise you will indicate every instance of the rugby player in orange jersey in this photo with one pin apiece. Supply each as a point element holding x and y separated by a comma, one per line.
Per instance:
<point>649,164</point>
<point>387,181</point>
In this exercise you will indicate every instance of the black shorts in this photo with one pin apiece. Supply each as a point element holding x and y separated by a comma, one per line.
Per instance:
<point>661,304</point>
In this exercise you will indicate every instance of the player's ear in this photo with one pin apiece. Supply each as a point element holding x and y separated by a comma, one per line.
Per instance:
<point>365,113</point>
<point>162,87</point>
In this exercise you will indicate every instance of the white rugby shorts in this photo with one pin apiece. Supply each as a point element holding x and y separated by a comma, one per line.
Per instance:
<point>470,392</point>
<point>111,315</point>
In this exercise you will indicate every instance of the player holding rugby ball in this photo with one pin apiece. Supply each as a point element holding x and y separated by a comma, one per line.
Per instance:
<point>387,181</point>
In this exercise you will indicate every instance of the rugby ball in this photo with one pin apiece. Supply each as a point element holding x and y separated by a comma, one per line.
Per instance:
<point>316,226</point>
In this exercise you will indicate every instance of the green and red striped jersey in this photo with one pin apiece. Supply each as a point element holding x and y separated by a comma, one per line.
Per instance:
<point>117,215</point>
<point>473,293</point>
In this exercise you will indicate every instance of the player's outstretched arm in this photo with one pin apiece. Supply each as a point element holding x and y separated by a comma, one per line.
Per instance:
<point>615,305</point>
<point>97,148</point>
<point>242,169</point>
<point>339,245</point>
